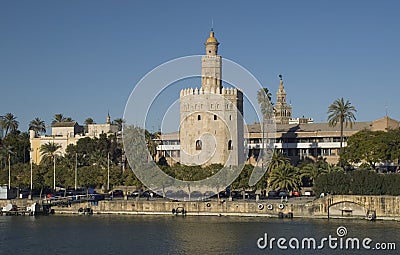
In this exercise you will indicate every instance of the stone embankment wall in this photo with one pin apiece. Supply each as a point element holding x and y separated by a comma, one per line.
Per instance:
<point>385,207</point>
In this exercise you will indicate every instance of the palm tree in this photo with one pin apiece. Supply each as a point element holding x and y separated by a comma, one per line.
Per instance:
<point>277,160</point>
<point>264,99</point>
<point>312,171</point>
<point>68,119</point>
<point>285,177</point>
<point>151,143</point>
<point>9,122</point>
<point>333,168</point>
<point>59,117</point>
<point>88,121</point>
<point>343,113</point>
<point>119,122</point>
<point>49,150</point>
<point>37,125</point>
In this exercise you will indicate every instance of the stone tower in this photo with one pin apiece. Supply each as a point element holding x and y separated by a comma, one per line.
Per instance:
<point>211,118</point>
<point>283,111</point>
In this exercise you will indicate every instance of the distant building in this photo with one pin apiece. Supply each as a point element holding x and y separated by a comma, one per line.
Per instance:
<point>297,141</point>
<point>66,133</point>
<point>95,130</point>
<point>67,129</point>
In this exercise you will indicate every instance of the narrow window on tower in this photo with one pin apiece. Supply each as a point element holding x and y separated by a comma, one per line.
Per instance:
<point>199,117</point>
<point>215,117</point>
<point>198,145</point>
<point>230,145</point>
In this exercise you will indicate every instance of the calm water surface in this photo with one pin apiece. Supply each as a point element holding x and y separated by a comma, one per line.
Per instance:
<point>176,235</point>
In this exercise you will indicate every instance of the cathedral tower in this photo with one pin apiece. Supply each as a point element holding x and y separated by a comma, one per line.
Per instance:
<point>283,111</point>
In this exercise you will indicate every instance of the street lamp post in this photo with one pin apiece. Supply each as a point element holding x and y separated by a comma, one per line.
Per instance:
<point>37,154</point>
<point>9,170</point>
<point>108,171</point>
<point>76,169</point>
<point>30,193</point>
<point>54,172</point>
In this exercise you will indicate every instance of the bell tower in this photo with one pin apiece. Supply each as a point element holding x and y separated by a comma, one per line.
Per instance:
<point>283,111</point>
<point>211,66</point>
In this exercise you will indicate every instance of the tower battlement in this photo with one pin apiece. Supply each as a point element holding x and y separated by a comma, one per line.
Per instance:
<point>201,91</point>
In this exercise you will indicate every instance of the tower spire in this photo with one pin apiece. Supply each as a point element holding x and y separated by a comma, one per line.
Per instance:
<point>108,120</point>
<point>212,24</point>
<point>283,111</point>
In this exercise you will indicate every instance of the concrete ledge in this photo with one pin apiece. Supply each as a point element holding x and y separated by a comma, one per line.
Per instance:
<point>386,207</point>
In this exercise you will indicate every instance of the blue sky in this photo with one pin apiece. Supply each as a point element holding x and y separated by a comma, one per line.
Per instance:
<point>83,58</point>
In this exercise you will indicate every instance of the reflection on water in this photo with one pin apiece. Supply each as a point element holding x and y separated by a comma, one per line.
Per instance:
<point>175,235</point>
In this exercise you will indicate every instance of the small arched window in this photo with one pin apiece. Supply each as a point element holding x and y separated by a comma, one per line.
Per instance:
<point>215,117</point>
<point>198,145</point>
<point>230,147</point>
<point>199,117</point>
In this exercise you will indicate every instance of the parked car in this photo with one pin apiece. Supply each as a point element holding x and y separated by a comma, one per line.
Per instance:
<point>296,193</point>
<point>309,193</point>
<point>283,193</point>
<point>117,193</point>
<point>272,194</point>
<point>196,195</point>
<point>135,193</point>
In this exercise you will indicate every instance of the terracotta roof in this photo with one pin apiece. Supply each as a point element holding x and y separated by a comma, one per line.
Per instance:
<point>64,124</point>
<point>310,127</point>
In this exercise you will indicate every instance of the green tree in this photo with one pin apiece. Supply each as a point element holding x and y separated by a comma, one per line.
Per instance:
<point>120,122</point>
<point>285,177</point>
<point>264,99</point>
<point>49,151</point>
<point>59,117</point>
<point>366,146</point>
<point>277,160</point>
<point>37,125</point>
<point>88,121</point>
<point>9,123</point>
<point>151,143</point>
<point>312,170</point>
<point>19,144</point>
<point>342,113</point>
<point>335,183</point>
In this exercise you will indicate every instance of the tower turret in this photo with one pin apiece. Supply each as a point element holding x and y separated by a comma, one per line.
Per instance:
<point>211,45</point>
<point>211,66</point>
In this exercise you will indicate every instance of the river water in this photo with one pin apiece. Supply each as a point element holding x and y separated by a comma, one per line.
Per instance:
<point>111,234</point>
